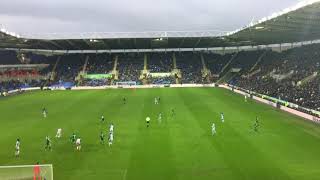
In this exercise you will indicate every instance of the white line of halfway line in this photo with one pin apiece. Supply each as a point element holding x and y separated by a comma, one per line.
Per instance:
<point>17,166</point>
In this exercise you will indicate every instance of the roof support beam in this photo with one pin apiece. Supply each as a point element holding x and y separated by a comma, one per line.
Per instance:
<point>135,43</point>
<point>105,44</point>
<point>181,43</point>
<point>197,43</point>
<point>73,45</point>
<point>85,41</point>
<point>58,46</point>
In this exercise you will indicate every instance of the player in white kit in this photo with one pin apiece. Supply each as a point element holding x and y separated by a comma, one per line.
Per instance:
<point>148,121</point>
<point>111,128</point>
<point>78,144</point>
<point>110,139</point>
<point>222,117</point>
<point>156,100</point>
<point>59,133</point>
<point>213,129</point>
<point>160,118</point>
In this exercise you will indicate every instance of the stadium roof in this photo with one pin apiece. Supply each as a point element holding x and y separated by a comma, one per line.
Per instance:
<point>295,24</point>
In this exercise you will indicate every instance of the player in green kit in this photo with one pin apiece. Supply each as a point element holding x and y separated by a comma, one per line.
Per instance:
<point>256,125</point>
<point>44,112</point>
<point>73,138</point>
<point>48,143</point>
<point>17,153</point>
<point>101,137</point>
<point>222,117</point>
<point>102,119</point>
<point>173,113</point>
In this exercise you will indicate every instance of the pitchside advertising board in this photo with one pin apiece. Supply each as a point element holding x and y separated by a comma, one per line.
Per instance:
<point>160,74</point>
<point>98,76</point>
<point>316,119</point>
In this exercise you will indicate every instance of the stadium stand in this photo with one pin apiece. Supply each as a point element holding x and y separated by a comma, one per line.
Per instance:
<point>215,62</point>
<point>98,64</point>
<point>160,62</point>
<point>9,57</point>
<point>291,75</point>
<point>129,67</point>
<point>23,70</point>
<point>68,69</point>
<point>190,66</point>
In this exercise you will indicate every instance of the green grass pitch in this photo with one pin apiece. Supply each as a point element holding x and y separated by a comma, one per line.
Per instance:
<point>178,148</point>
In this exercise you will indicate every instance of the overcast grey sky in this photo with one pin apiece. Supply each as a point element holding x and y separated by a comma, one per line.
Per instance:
<point>60,16</point>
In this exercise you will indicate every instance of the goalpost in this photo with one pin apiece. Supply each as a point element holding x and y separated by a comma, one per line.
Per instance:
<point>27,172</point>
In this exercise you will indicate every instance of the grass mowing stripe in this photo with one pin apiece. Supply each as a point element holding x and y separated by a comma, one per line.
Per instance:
<point>151,154</point>
<point>179,148</point>
<point>238,149</point>
<point>202,160</point>
<point>283,131</point>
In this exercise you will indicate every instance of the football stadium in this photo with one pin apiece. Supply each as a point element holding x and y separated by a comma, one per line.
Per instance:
<point>167,105</point>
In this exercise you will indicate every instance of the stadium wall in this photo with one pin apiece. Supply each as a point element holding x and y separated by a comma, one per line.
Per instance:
<point>275,105</point>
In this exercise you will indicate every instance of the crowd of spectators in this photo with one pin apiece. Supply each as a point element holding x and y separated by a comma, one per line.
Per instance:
<point>41,59</point>
<point>216,62</point>
<point>95,82</point>
<point>18,84</point>
<point>10,85</point>
<point>160,62</point>
<point>278,74</point>
<point>246,59</point>
<point>18,75</point>
<point>100,64</point>
<point>69,67</point>
<point>293,66</point>
<point>190,67</point>
<point>130,67</point>
<point>162,80</point>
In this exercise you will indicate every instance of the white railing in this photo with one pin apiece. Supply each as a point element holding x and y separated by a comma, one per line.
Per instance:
<point>94,36</point>
<point>226,50</point>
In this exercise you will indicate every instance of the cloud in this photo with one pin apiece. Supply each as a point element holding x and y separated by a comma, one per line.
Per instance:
<point>65,16</point>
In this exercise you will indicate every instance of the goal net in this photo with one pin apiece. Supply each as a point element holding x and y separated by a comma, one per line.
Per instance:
<point>27,172</point>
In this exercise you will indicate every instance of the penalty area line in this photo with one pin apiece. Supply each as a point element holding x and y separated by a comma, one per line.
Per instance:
<point>22,166</point>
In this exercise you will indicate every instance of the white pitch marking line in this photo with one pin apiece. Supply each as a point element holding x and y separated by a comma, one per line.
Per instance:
<point>41,165</point>
<point>125,174</point>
